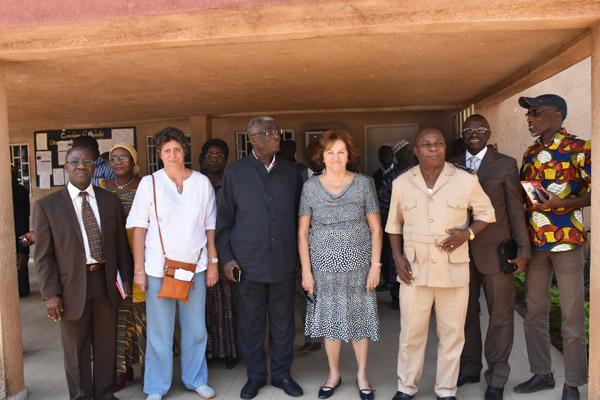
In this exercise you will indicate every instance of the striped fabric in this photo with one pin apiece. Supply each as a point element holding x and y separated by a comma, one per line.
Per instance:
<point>103,172</point>
<point>131,334</point>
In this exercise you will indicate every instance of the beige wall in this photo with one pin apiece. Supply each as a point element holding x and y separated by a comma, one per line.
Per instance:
<point>508,122</point>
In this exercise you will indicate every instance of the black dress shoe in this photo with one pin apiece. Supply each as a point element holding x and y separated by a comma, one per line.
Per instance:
<point>231,362</point>
<point>570,393</point>
<point>534,384</point>
<point>402,396</point>
<point>289,386</point>
<point>445,398</point>
<point>250,389</point>
<point>494,393</point>
<point>464,378</point>
<point>325,394</point>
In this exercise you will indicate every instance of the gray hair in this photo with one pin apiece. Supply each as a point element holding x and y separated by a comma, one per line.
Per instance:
<point>256,123</point>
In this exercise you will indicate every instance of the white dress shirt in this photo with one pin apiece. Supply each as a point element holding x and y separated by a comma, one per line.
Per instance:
<point>479,155</point>
<point>77,200</point>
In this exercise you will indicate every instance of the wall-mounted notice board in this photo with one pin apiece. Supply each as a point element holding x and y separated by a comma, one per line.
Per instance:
<point>51,146</point>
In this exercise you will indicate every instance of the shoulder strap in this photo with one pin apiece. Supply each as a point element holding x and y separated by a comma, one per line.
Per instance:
<point>157,224</point>
<point>156,212</point>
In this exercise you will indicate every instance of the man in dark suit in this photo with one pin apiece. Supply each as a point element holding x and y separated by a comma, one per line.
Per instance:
<point>257,224</point>
<point>386,158</point>
<point>81,244</point>
<point>499,177</point>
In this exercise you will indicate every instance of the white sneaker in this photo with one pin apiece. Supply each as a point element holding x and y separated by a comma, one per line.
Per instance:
<point>205,392</point>
<point>154,397</point>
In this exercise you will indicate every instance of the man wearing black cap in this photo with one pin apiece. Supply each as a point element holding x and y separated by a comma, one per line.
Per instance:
<point>561,163</point>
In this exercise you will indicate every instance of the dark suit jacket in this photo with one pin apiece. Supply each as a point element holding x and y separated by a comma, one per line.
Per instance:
<point>499,177</point>
<point>257,219</point>
<point>378,177</point>
<point>60,253</point>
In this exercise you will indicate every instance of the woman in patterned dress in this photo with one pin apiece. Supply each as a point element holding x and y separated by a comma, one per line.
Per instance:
<point>340,240</point>
<point>131,330</point>
<point>221,318</point>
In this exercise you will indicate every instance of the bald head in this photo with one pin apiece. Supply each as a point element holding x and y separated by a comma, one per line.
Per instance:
<point>477,118</point>
<point>430,131</point>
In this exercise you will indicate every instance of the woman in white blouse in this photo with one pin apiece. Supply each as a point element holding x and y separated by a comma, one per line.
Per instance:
<point>186,210</point>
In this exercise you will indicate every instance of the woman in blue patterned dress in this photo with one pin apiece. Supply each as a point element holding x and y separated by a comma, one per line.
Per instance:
<point>340,240</point>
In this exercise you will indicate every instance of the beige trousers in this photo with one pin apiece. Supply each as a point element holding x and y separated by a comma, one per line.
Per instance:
<point>415,311</point>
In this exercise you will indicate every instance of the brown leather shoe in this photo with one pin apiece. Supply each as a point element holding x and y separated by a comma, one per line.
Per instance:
<point>310,346</point>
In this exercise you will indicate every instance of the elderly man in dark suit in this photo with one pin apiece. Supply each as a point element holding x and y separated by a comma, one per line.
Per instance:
<point>81,244</point>
<point>499,177</point>
<point>257,225</point>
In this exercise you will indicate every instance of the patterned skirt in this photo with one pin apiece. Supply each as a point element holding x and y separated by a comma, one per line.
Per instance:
<point>221,319</point>
<point>131,334</point>
<point>343,309</point>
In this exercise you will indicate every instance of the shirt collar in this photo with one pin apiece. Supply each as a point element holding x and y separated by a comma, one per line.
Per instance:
<point>479,155</point>
<point>270,165</point>
<point>385,171</point>
<point>74,192</point>
<point>557,138</point>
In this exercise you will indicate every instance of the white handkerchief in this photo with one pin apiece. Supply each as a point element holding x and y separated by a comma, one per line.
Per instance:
<point>183,275</point>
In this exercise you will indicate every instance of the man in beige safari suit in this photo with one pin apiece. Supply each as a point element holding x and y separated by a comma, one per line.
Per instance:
<point>429,210</point>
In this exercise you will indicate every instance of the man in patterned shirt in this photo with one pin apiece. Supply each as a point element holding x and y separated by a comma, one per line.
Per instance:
<point>561,163</point>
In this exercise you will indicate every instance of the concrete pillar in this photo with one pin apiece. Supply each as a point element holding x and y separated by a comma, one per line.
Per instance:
<point>200,132</point>
<point>12,384</point>
<point>594,385</point>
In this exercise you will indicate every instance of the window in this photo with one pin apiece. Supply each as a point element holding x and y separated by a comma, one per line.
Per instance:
<point>19,158</point>
<point>243,146</point>
<point>155,163</point>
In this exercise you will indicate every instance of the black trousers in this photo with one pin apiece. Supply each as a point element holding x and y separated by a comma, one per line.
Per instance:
<point>256,301</point>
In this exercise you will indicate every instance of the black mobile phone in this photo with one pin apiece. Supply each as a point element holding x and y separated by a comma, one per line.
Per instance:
<point>237,274</point>
<point>543,194</point>
<point>310,298</point>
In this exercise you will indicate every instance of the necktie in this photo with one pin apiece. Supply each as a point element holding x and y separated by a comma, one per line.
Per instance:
<point>91,229</point>
<point>473,160</point>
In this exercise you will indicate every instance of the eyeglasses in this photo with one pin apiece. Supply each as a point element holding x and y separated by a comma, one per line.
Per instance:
<point>469,131</point>
<point>122,159</point>
<point>213,156</point>
<point>270,132</point>
<point>77,163</point>
<point>537,111</point>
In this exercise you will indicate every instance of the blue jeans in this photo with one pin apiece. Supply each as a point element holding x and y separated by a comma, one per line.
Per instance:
<point>160,315</point>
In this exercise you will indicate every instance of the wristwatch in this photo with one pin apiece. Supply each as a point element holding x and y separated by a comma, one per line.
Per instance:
<point>213,260</point>
<point>472,235</point>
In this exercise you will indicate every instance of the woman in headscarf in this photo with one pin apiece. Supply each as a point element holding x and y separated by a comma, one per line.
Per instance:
<point>131,331</point>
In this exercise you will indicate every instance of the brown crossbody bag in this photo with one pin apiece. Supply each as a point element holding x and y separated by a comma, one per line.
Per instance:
<point>171,287</point>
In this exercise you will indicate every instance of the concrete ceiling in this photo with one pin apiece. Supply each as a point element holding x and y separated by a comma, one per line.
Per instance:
<point>284,57</point>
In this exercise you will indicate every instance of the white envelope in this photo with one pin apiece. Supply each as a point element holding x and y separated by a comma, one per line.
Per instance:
<point>183,275</point>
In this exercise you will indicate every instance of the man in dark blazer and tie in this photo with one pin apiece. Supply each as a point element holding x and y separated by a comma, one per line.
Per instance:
<point>81,244</point>
<point>499,176</point>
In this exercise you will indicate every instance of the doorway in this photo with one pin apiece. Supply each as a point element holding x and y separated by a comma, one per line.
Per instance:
<point>379,135</point>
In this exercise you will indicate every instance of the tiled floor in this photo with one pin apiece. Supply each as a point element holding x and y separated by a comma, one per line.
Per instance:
<point>44,374</point>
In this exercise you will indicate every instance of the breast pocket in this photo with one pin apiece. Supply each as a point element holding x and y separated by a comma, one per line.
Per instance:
<point>457,210</point>
<point>409,210</point>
